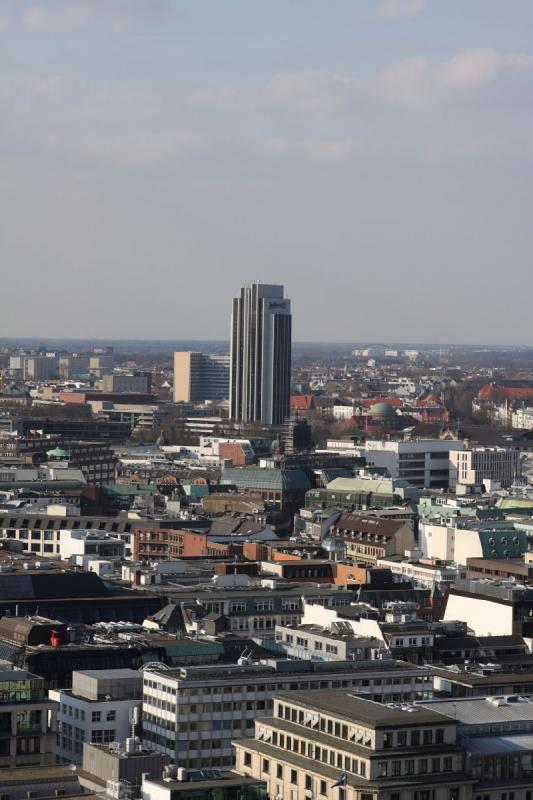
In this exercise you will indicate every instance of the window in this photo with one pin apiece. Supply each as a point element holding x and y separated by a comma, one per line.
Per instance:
<point>247,759</point>
<point>265,765</point>
<point>447,764</point>
<point>402,738</point>
<point>435,764</point>
<point>439,736</point>
<point>111,716</point>
<point>279,771</point>
<point>294,776</point>
<point>428,737</point>
<point>410,767</point>
<point>415,738</point>
<point>323,787</point>
<point>96,716</point>
<point>308,782</point>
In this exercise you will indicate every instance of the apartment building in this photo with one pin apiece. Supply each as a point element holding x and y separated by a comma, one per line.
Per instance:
<point>367,539</point>
<point>337,746</point>
<point>99,709</point>
<point>193,713</point>
<point>27,721</point>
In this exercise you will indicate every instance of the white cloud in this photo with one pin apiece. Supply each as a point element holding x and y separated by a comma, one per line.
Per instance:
<point>321,150</point>
<point>475,68</point>
<point>78,14</point>
<point>48,86</point>
<point>223,97</point>
<point>308,90</point>
<point>418,81</point>
<point>403,8</point>
<point>142,150</point>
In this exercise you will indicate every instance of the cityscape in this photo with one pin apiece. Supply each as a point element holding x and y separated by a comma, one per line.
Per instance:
<point>266,400</point>
<point>266,571</point>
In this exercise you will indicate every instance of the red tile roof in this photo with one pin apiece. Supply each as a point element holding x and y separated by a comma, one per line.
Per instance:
<point>301,402</point>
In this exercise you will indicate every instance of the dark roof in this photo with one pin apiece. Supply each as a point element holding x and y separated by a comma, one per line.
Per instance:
<point>36,586</point>
<point>456,643</point>
<point>266,478</point>
<point>360,524</point>
<point>375,715</point>
<point>507,640</point>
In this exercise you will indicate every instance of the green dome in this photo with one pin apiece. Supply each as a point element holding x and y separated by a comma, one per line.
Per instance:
<point>57,453</point>
<point>382,410</point>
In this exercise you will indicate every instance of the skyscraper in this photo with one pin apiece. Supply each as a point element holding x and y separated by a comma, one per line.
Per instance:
<point>260,372</point>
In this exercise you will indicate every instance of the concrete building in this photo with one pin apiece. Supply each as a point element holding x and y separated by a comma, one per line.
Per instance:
<point>83,546</point>
<point>106,767</point>
<point>72,366</point>
<point>260,371</point>
<point>139,382</point>
<point>27,721</point>
<point>199,377</point>
<point>181,784</point>
<point>425,572</point>
<point>458,539</point>
<point>423,462</point>
<point>102,707</point>
<point>337,643</point>
<point>193,714</point>
<point>40,368</point>
<point>100,365</point>
<point>475,465</point>
<point>334,745</point>
<point>492,609</point>
<point>41,532</point>
<point>365,491</point>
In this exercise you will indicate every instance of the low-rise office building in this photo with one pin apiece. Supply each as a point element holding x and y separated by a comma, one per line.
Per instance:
<point>423,462</point>
<point>27,721</point>
<point>192,714</point>
<point>475,465</point>
<point>336,745</point>
<point>100,709</point>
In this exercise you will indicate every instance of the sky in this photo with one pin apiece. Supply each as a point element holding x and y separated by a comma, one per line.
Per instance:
<point>374,156</point>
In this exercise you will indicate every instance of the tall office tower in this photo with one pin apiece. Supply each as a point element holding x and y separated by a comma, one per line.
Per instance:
<point>199,377</point>
<point>260,372</point>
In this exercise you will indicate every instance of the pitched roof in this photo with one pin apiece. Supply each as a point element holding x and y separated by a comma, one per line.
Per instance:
<point>360,524</point>
<point>301,402</point>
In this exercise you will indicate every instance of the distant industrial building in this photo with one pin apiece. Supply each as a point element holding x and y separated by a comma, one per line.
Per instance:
<point>139,382</point>
<point>199,377</point>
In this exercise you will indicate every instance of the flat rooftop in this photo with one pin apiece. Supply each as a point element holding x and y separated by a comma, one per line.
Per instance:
<point>484,710</point>
<point>356,709</point>
<point>226,779</point>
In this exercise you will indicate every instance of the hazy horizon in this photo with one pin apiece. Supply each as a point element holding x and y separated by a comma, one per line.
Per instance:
<point>373,156</point>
